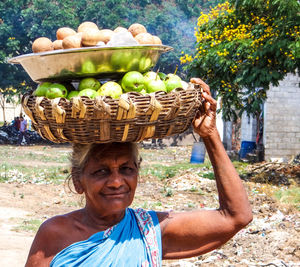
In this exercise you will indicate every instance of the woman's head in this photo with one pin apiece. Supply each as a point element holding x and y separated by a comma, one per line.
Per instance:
<point>106,174</point>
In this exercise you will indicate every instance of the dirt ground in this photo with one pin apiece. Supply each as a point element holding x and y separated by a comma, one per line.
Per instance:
<point>272,239</point>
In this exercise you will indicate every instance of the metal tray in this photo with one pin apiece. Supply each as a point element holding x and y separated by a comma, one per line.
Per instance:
<point>101,62</point>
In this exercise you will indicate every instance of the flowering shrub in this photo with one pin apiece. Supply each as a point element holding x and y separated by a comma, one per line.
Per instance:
<point>244,46</point>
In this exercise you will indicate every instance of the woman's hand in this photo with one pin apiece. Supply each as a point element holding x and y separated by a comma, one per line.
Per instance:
<point>205,120</point>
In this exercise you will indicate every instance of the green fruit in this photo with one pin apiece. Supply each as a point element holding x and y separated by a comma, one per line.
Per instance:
<point>104,68</point>
<point>133,81</point>
<point>151,75</point>
<point>90,83</point>
<point>145,64</point>
<point>88,67</point>
<point>162,75</point>
<point>42,89</point>
<point>56,90</point>
<point>111,89</point>
<point>155,85</point>
<point>72,94</point>
<point>133,64</point>
<point>119,60</point>
<point>172,76</point>
<point>171,84</point>
<point>88,92</point>
<point>184,85</point>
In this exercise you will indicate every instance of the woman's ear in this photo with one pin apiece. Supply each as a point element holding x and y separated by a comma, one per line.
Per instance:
<point>76,181</point>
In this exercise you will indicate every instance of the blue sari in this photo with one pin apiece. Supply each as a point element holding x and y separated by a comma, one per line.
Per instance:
<point>134,242</point>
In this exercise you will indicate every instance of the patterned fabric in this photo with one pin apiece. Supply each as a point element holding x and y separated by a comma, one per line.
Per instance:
<point>149,235</point>
<point>134,241</point>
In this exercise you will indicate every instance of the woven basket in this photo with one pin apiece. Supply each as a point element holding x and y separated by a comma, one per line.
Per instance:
<point>132,118</point>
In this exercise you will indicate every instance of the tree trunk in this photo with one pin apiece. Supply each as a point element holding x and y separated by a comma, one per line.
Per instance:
<point>2,104</point>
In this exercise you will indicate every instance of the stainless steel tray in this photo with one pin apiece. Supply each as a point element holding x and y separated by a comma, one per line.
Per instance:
<point>101,62</point>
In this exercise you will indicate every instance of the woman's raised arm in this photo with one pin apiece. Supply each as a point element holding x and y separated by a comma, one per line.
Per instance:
<point>189,234</point>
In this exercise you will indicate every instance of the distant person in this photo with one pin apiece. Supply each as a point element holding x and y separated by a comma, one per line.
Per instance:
<point>29,125</point>
<point>16,123</point>
<point>23,131</point>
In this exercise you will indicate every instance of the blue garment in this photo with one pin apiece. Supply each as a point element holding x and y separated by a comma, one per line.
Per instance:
<point>129,243</point>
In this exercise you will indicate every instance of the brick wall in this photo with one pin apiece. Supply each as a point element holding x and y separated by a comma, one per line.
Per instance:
<point>282,120</point>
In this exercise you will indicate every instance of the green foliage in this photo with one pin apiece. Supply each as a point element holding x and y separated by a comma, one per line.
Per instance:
<point>243,47</point>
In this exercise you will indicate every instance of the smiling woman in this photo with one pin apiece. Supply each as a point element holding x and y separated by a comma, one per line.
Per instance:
<point>106,232</point>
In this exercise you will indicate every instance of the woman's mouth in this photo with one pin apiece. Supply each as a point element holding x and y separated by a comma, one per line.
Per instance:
<point>115,194</point>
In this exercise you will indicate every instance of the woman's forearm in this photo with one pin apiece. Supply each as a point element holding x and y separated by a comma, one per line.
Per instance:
<point>232,195</point>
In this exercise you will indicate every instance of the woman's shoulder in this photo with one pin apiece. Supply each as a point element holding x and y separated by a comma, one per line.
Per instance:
<point>59,223</point>
<point>54,234</point>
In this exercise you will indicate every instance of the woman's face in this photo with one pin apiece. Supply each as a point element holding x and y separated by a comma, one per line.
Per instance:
<point>109,182</point>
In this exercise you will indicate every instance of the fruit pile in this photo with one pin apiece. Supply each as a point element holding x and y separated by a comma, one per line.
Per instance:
<point>88,34</point>
<point>148,82</point>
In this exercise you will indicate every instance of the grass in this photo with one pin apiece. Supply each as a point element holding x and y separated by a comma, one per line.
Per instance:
<point>28,226</point>
<point>289,196</point>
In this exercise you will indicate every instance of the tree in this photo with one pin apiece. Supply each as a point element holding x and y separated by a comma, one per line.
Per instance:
<point>22,21</point>
<point>243,47</point>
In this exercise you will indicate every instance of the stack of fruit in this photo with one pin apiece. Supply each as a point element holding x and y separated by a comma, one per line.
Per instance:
<point>148,82</point>
<point>89,34</point>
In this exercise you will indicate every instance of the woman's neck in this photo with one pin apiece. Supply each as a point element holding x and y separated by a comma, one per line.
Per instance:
<point>100,222</point>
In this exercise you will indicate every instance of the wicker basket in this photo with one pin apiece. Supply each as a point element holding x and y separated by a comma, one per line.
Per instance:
<point>132,118</point>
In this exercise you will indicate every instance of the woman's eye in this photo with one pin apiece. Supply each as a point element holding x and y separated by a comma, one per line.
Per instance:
<point>127,170</point>
<point>101,172</point>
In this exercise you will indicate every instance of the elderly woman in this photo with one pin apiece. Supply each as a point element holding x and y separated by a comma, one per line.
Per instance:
<point>106,232</point>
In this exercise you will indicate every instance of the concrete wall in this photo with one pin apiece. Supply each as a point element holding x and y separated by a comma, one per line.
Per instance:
<point>282,120</point>
<point>248,128</point>
<point>11,111</point>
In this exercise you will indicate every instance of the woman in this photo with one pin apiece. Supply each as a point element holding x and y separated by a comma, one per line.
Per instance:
<point>108,233</point>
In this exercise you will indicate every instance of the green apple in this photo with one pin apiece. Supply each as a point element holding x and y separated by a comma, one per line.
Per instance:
<point>104,68</point>
<point>162,75</point>
<point>155,85</point>
<point>91,83</point>
<point>72,94</point>
<point>42,89</point>
<point>133,81</point>
<point>133,64</point>
<point>88,67</point>
<point>145,64</point>
<point>151,75</point>
<point>184,85</point>
<point>111,89</point>
<point>172,84</point>
<point>172,76</point>
<point>91,93</point>
<point>119,60</point>
<point>56,90</point>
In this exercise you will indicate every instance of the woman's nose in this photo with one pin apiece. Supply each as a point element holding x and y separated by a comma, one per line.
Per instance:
<point>115,179</point>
